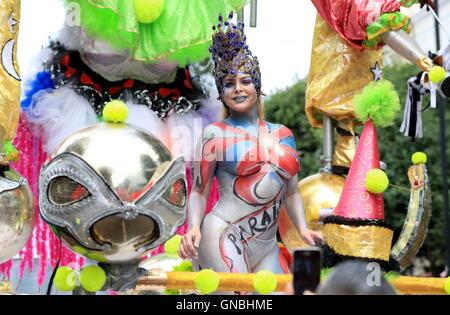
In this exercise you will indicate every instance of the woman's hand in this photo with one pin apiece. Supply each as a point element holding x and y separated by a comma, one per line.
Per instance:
<point>189,244</point>
<point>311,237</point>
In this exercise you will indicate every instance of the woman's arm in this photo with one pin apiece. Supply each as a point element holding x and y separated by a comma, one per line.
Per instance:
<point>204,169</point>
<point>294,203</point>
<point>296,211</point>
<point>203,177</point>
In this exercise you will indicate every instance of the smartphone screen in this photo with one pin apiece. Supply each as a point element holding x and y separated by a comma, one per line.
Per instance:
<point>306,269</point>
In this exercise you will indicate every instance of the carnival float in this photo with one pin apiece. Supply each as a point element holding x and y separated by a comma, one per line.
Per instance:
<point>116,164</point>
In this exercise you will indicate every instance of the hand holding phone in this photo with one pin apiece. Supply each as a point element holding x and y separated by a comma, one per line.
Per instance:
<point>306,269</point>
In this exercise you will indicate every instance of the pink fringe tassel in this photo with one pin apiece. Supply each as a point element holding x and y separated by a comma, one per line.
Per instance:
<point>47,245</point>
<point>5,269</point>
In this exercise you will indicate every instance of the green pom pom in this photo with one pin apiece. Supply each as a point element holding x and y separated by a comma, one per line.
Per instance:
<point>184,266</point>
<point>391,275</point>
<point>265,282</point>
<point>92,278</point>
<point>374,28</point>
<point>324,273</point>
<point>10,150</point>
<point>376,181</point>
<point>447,285</point>
<point>115,112</point>
<point>206,281</point>
<point>419,158</point>
<point>65,279</point>
<point>148,11</point>
<point>172,292</point>
<point>172,245</point>
<point>385,19</point>
<point>437,74</point>
<point>379,102</point>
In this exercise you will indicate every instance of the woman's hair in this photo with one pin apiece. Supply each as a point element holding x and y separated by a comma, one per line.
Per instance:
<point>259,109</point>
<point>355,278</point>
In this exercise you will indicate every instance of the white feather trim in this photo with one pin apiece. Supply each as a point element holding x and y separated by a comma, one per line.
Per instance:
<point>56,114</point>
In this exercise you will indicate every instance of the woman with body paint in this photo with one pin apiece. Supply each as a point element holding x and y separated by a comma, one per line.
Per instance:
<point>256,164</point>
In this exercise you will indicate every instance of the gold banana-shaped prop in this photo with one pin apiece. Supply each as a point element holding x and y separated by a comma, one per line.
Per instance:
<point>418,218</point>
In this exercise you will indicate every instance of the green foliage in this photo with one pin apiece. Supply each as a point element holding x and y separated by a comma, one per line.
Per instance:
<point>287,107</point>
<point>396,151</point>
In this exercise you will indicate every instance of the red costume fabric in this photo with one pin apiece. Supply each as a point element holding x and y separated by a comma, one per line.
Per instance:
<point>350,18</point>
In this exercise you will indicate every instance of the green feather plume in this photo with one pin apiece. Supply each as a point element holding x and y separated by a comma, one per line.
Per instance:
<point>378,101</point>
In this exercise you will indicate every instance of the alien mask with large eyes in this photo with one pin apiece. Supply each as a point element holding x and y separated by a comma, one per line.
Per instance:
<point>112,192</point>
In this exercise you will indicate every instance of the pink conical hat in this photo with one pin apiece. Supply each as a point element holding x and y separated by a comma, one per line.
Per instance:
<point>356,202</point>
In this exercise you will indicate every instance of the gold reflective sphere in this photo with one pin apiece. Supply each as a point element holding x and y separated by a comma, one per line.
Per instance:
<point>318,191</point>
<point>16,214</point>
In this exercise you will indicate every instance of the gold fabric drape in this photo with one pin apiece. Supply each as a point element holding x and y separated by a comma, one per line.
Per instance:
<point>9,69</point>
<point>337,73</point>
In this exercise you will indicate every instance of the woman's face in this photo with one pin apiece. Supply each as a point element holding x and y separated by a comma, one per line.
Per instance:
<point>239,92</point>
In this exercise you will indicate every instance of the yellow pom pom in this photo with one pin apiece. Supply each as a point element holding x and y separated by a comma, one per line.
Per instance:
<point>148,11</point>
<point>447,285</point>
<point>92,278</point>
<point>172,245</point>
<point>437,74</point>
<point>265,282</point>
<point>80,250</point>
<point>65,279</point>
<point>376,181</point>
<point>115,111</point>
<point>419,158</point>
<point>97,257</point>
<point>206,281</point>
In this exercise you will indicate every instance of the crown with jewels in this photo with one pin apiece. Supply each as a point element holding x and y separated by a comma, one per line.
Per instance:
<point>230,53</point>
